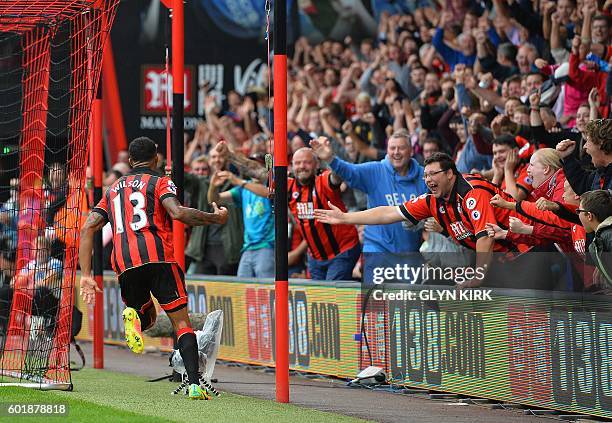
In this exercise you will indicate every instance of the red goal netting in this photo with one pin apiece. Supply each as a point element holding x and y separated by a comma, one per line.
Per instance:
<point>50,60</point>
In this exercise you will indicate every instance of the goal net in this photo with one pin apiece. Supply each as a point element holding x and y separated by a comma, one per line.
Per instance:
<point>50,60</point>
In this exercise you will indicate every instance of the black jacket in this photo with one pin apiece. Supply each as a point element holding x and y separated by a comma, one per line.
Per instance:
<point>583,180</point>
<point>601,249</point>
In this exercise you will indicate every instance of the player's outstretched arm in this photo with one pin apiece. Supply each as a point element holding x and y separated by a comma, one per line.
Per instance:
<point>89,287</point>
<point>193,217</point>
<point>377,216</point>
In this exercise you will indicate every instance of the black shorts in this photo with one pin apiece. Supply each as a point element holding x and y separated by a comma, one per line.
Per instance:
<point>165,281</point>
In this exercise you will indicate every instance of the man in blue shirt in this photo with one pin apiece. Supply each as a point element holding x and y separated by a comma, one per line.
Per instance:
<point>257,259</point>
<point>467,53</point>
<point>395,179</point>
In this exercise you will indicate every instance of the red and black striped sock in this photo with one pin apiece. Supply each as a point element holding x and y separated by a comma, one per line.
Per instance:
<point>188,347</point>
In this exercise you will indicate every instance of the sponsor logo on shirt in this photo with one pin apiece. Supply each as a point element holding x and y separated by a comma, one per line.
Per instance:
<point>305,211</point>
<point>172,187</point>
<point>460,231</point>
<point>470,203</point>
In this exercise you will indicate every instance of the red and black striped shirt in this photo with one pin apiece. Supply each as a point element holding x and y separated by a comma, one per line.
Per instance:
<point>324,241</point>
<point>465,215</point>
<point>142,229</point>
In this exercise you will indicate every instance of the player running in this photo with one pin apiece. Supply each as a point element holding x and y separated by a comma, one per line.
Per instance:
<point>140,207</point>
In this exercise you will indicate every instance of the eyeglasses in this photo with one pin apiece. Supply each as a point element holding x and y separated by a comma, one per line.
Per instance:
<point>431,174</point>
<point>578,211</point>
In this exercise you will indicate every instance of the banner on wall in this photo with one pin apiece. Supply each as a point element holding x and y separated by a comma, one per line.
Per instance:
<point>548,352</point>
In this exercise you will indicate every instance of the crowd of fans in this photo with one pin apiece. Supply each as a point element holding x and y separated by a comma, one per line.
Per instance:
<point>513,92</point>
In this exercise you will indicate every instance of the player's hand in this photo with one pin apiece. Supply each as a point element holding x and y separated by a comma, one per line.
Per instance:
<point>565,148</point>
<point>333,216</point>
<point>89,288</point>
<point>322,148</point>
<point>498,201</point>
<point>431,225</point>
<point>518,227</point>
<point>221,214</point>
<point>495,232</point>
<point>544,204</point>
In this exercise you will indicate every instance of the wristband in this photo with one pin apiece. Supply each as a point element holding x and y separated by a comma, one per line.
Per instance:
<point>243,184</point>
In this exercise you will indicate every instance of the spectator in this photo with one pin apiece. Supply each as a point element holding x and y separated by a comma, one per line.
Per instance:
<point>199,166</point>
<point>558,223</point>
<point>545,130</point>
<point>509,171</point>
<point>395,180</point>
<point>430,146</point>
<point>466,54</point>
<point>332,251</point>
<point>525,58</point>
<point>123,156</point>
<point>547,177</point>
<point>596,216</point>
<point>7,262</point>
<point>366,130</point>
<point>449,191</point>
<point>256,260</point>
<point>358,94</point>
<point>9,215</point>
<point>503,66</point>
<point>599,147</point>
<point>57,190</point>
<point>44,270</point>
<point>213,249</point>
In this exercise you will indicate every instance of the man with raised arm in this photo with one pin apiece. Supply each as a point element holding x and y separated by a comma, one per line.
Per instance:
<point>459,203</point>
<point>392,181</point>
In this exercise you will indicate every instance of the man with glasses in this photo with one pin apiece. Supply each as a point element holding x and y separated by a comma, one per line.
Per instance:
<point>459,203</point>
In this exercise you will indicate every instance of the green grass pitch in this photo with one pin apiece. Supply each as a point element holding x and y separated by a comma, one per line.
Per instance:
<point>102,396</point>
